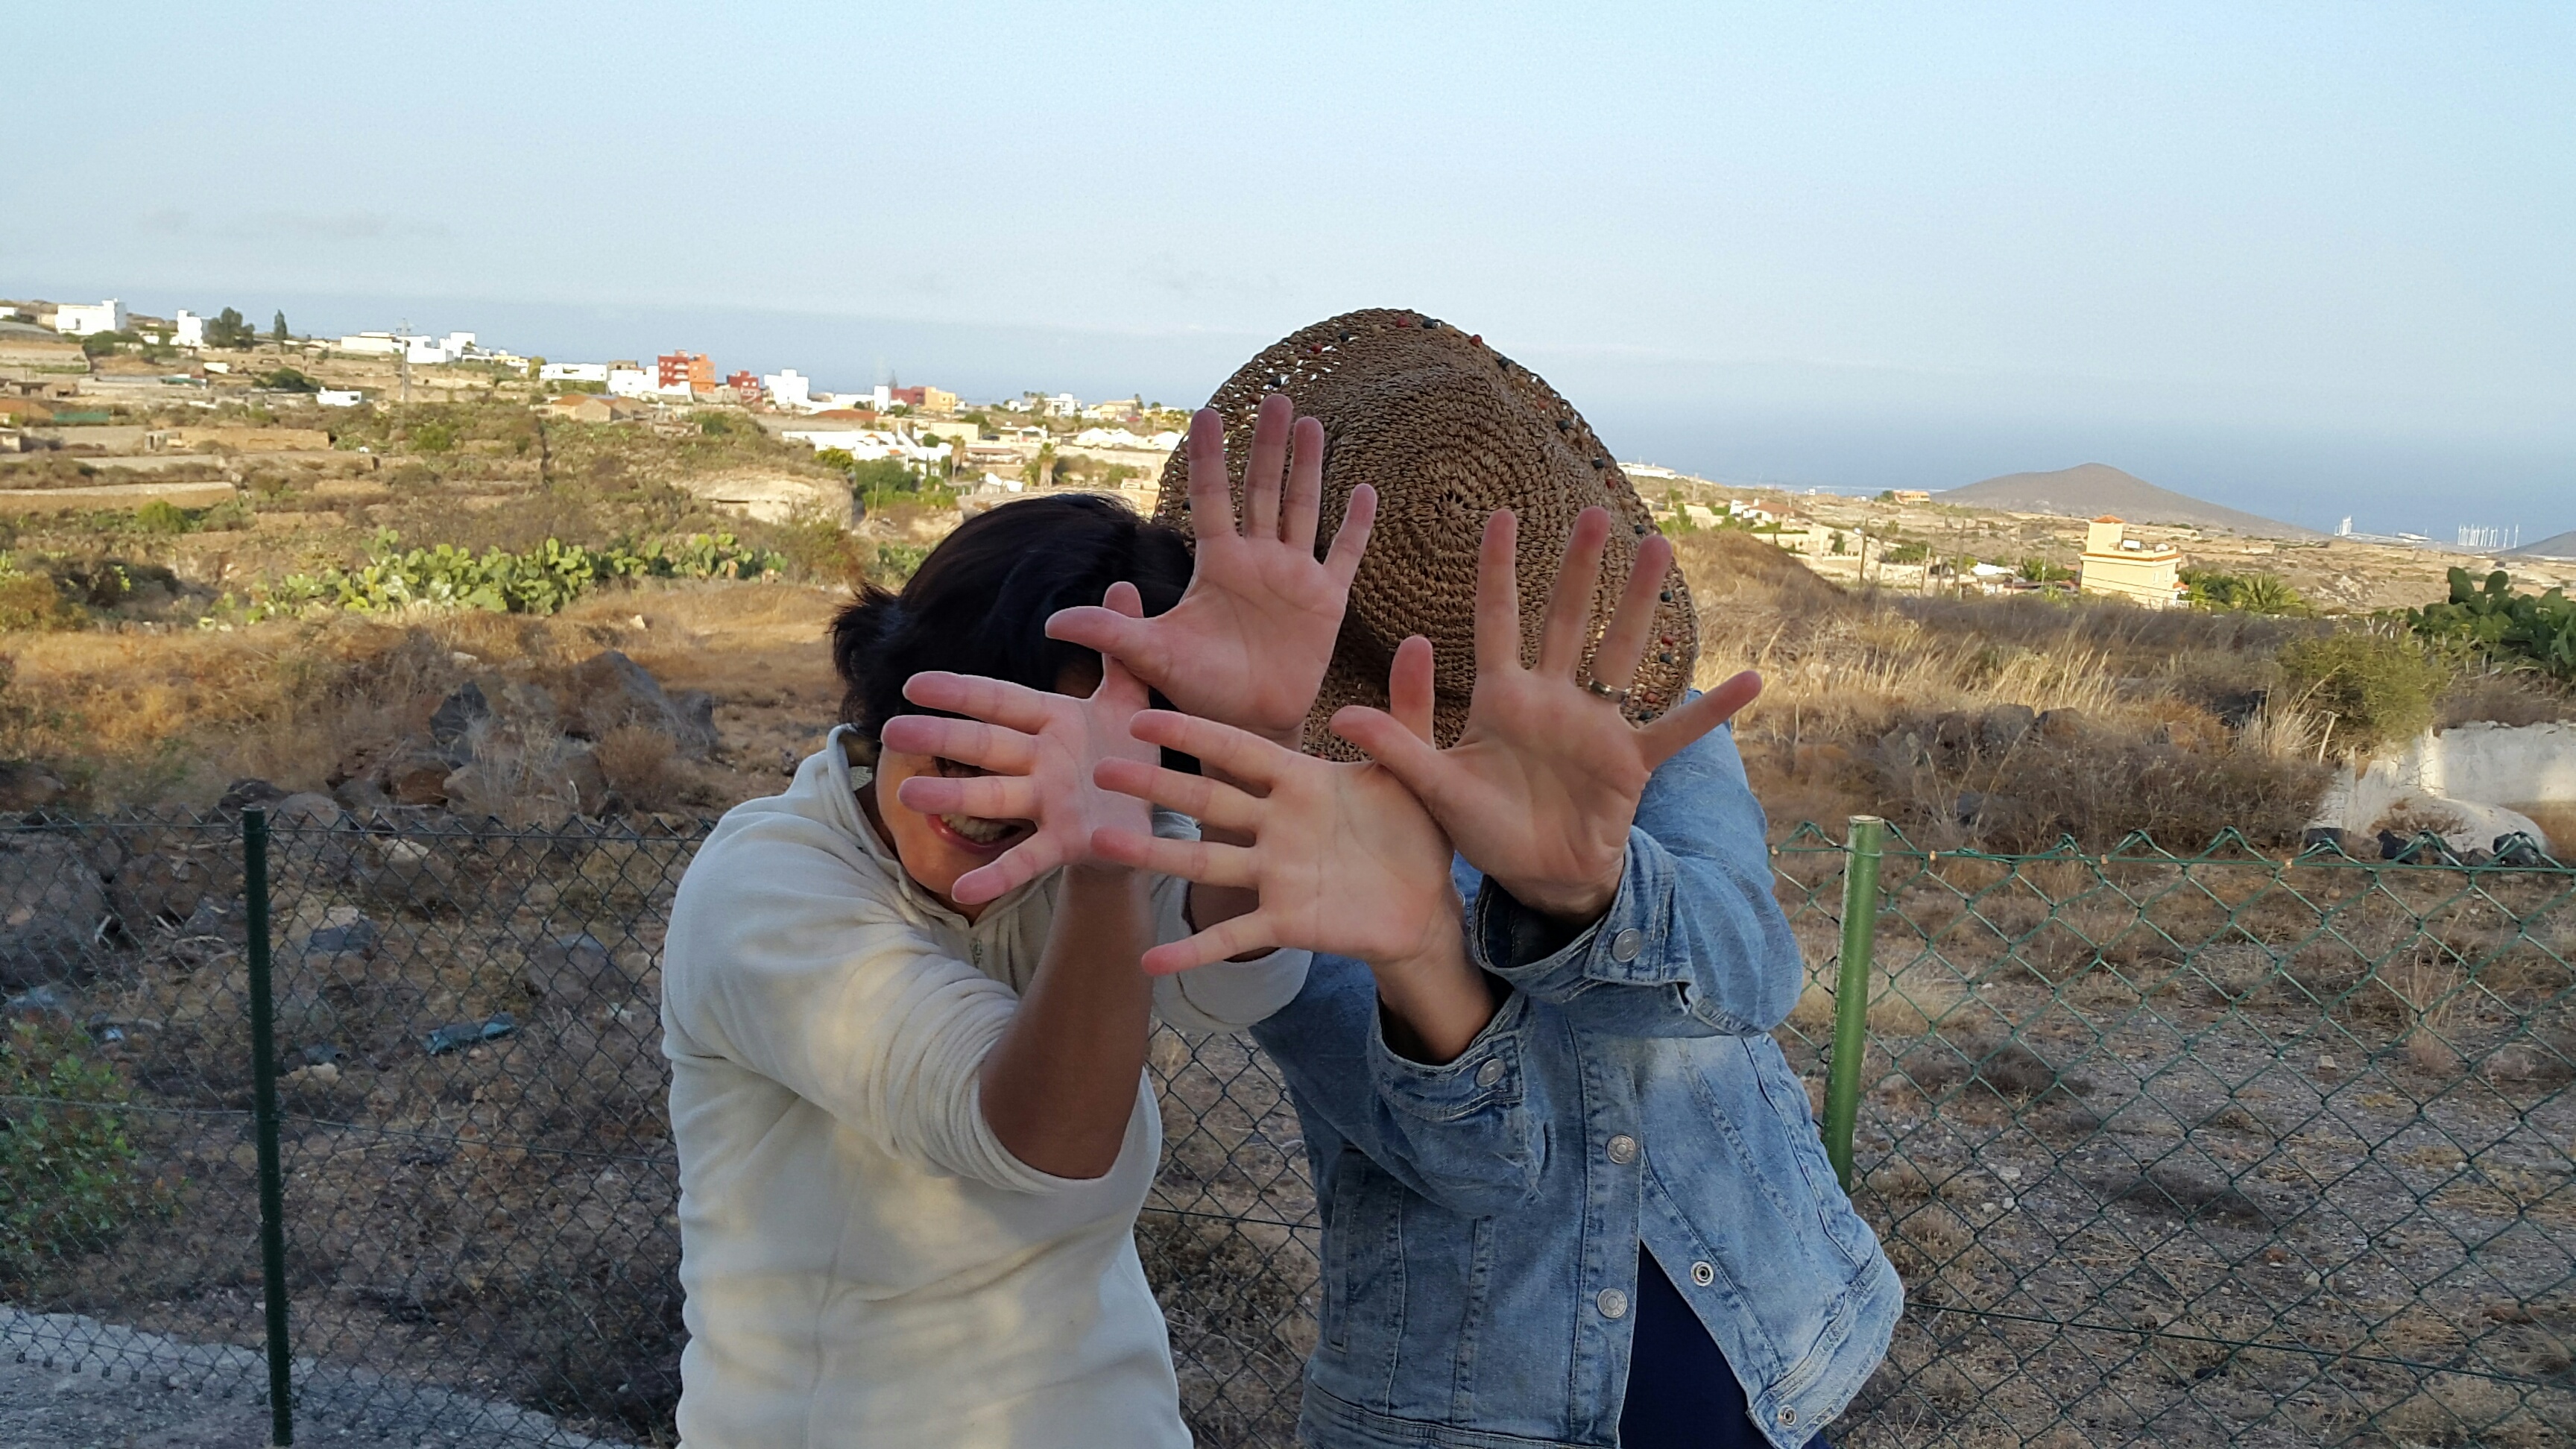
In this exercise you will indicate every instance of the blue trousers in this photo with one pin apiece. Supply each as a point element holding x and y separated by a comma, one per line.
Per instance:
<point>1681,1392</point>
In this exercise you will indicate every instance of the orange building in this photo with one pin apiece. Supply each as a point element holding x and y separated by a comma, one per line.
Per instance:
<point>694,370</point>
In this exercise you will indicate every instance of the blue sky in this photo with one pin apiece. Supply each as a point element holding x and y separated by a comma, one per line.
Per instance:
<point>2309,259</point>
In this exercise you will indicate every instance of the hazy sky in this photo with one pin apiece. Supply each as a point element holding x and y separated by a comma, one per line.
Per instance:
<point>2312,259</point>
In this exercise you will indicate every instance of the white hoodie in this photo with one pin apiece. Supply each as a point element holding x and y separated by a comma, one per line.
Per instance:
<point>865,1263</point>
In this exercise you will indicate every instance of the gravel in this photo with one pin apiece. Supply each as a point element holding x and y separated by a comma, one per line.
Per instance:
<point>68,1382</point>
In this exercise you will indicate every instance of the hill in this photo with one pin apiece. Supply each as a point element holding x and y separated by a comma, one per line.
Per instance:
<point>2561,545</point>
<point>2090,490</point>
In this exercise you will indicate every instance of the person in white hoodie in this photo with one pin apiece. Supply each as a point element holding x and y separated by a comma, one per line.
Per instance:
<point>903,1000</point>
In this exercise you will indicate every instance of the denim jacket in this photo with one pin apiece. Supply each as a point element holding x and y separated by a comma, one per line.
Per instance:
<point>1482,1217</point>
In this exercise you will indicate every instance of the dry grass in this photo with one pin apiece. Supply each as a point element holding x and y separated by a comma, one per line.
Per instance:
<point>1920,709</point>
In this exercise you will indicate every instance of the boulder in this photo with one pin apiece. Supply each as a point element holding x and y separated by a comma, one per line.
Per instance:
<point>51,908</point>
<point>567,970</point>
<point>2060,724</point>
<point>360,794</point>
<point>608,690</point>
<point>418,777</point>
<point>167,887</point>
<point>455,716</point>
<point>2332,839</point>
<point>2004,726</point>
<point>25,786</point>
<point>306,810</point>
<point>407,873</point>
<point>243,794</point>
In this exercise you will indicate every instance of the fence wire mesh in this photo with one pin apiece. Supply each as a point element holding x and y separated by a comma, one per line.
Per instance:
<point>2217,1149</point>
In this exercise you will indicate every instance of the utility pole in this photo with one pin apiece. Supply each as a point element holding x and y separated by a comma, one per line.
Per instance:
<point>402,360</point>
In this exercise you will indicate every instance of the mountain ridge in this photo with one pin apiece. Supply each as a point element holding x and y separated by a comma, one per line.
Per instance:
<point>2089,490</point>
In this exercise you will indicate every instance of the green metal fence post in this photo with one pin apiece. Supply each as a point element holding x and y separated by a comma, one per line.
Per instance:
<point>1851,992</point>
<point>272,1188</point>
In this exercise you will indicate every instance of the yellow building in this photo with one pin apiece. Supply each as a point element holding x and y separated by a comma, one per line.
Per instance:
<point>2124,568</point>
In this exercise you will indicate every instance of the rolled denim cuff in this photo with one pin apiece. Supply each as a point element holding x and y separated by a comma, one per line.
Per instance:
<point>1625,947</point>
<point>1486,1075</point>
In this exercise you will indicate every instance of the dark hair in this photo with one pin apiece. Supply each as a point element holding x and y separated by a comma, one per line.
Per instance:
<point>980,601</point>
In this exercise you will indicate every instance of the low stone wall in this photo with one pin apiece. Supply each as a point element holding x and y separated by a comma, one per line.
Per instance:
<point>2482,771</point>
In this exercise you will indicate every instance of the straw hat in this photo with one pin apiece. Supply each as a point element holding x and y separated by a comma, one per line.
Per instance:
<point>1447,430</point>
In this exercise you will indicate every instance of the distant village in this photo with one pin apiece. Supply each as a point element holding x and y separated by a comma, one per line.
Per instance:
<point>66,365</point>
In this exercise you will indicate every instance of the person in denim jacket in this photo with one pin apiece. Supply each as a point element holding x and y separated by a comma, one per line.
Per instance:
<point>1572,1193</point>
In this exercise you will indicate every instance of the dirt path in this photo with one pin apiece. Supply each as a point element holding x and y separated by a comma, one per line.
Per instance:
<point>75,1383</point>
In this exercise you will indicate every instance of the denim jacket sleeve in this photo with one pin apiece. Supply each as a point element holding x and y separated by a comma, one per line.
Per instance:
<point>1468,1134</point>
<point>1693,943</point>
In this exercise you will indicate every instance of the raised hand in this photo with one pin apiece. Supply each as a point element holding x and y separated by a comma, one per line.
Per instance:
<point>1042,750</point>
<point>1248,642</point>
<point>1543,783</point>
<point>1342,856</point>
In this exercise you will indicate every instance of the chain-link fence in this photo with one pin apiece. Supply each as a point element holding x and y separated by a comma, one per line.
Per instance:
<point>2222,1149</point>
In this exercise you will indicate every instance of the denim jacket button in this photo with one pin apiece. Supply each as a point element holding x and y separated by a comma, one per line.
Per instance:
<point>1789,1418</point>
<point>1703,1274</point>
<point>1623,1149</point>
<point>1612,1303</point>
<point>1625,946</point>
<point>1491,1073</point>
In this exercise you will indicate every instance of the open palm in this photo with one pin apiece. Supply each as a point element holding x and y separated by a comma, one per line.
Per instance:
<point>1249,641</point>
<point>1543,783</point>
<point>1042,750</point>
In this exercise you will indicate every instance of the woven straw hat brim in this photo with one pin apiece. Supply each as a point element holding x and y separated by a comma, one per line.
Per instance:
<point>1447,430</point>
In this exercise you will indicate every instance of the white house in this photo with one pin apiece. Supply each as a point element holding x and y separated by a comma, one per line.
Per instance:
<point>332,397</point>
<point>1064,405</point>
<point>77,320</point>
<point>425,351</point>
<point>788,389</point>
<point>632,382</point>
<point>573,372</point>
<point>378,344</point>
<point>865,444</point>
<point>191,330</point>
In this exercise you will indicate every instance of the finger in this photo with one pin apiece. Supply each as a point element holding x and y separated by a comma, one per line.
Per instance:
<point>1120,685</point>
<point>1113,634</point>
<point>1191,860</point>
<point>1666,737</point>
<point>1245,756</point>
<point>1614,659</point>
<point>964,740</point>
<point>1408,686</point>
<point>1125,599</point>
<point>1568,625</point>
<point>1206,801</point>
<point>1238,936</point>
<point>1303,506</point>
<point>988,797</point>
<point>1498,594</point>
<point>1211,498</point>
<point>1014,706</point>
<point>1025,862</point>
<point>1406,755</point>
<point>1270,429</point>
<point>1351,539</point>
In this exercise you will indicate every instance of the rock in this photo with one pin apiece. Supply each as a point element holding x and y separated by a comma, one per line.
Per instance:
<point>243,794</point>
<point>408,873</point>
<point>360,794</point>
<point>2425,849</point>
<point>566,969</point>
<point>608,689</point>
<point>306,810</point>
<point>455,716</point>
<point>2520,851</point>
<point>360,937</point>
<point>38,1001</point>
<point>25,786</point>
<point>584,783</point>
<point>418,777</point>
<point>2004,726</point>
<point>2061,724</point>
<point>167,887</point>
<point>52,907</point>
<point>2334,839</point>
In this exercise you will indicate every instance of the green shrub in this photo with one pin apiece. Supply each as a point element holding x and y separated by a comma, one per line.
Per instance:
<point>2243,593</point>
<point>162,516</point>
<point>2376,691</point>
<point>2517,630</point>
<point>32,601</point>
<point>539,580</point>
<point>70,1178</point>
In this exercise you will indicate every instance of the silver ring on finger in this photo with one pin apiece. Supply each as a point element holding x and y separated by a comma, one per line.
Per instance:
<point>1615,696</point>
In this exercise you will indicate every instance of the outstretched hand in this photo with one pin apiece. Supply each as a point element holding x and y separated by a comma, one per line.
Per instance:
<point>1342,856</point>
<point>1248,643</point>
<point>1042,750</point>
<point>1543,783</point>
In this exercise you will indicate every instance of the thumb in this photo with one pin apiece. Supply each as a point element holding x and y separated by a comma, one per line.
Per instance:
<point>1405,755</point>
<point>1668,736</point>
<point>1123,598</point>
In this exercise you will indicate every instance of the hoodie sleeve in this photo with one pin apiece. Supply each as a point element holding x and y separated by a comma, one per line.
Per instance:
<point>785,959</point>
